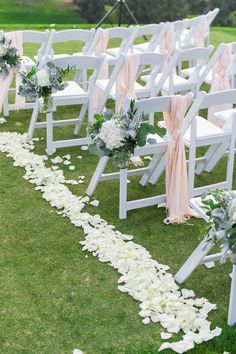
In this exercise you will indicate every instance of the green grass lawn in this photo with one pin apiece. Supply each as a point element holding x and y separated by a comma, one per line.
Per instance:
<point>53,298</point>
<point>39,11</point>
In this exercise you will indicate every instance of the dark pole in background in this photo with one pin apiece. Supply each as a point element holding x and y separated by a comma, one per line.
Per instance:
<point>122,4</point>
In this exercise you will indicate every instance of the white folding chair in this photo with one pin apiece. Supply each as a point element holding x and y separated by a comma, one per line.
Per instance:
<point>188,35</point>
<point>210,16</point>
<point>35,38</point>
<point>147,106</point>
<point>73,94</point>
<point>179,27</point>
<point>152,60</point>
<point>153,34</point>
<point>205,134</point>
<point>121,34</point>
<point>172,82</point>
<point>79,37</point>
<point>206,70</point>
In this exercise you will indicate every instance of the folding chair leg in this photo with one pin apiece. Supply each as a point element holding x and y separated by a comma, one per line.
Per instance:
<point>151,167</point>
<point>123,194</point>
<point>49,120</point>
<point>158,170</point>
<point>97,174</point>
<point>201,165</point>
<point>232,301</point>
<point>216,157</point>
<point>6,107</point>
<point>81,119</point>
<point>33,120</point>
<point>193,261</point>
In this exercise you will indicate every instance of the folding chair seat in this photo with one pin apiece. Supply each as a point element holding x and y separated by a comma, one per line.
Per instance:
<point>73,94</point>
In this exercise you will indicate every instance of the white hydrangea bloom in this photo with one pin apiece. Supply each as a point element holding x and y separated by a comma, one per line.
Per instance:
<point>43,78</point>
<point>112,134</point>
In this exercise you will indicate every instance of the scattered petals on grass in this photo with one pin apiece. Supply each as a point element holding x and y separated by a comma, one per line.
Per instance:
<point>72,168</point>
<point>143,278</point>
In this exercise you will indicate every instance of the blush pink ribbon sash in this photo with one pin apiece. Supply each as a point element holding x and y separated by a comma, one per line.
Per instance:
<point>125,83</point>
<point>220,82</point>
<point>168,44</point>
<point>176,172</point>
<point>201,31</point>
<point>103,73</point>
<point>5,82</point>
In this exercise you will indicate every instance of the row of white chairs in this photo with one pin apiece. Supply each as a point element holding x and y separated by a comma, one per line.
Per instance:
<point>127,36</point>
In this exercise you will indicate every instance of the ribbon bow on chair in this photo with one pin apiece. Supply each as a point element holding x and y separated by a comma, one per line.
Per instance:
<point>176,171</point>
<point>125,83</point>
<point>220,82</point>
<point>202,29</point>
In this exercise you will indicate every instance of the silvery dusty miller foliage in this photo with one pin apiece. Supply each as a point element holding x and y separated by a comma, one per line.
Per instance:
<point>221,209</point>
<point>9,59</point>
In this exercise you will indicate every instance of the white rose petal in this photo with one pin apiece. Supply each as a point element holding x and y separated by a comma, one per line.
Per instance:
<point>57,159</point>
<point>146,320</point>
<point>2,120</point>
<point>66,162</point>
<point>71,168</point>
<point>95,203</point>
<point>84,148</point>
<point>77,351</point>
<point>165,335</point>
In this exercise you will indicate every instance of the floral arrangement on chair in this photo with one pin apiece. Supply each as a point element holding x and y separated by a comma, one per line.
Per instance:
<point>117,134</point>
<point>9,59</point>
<point>41,83</point>
<point>221,209</point>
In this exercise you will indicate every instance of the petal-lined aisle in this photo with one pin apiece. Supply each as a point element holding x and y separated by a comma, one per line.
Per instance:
<point>142,277</point>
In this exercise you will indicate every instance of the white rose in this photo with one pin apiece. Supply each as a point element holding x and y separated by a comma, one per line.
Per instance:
<point>3,50</point>
<point>43,78</point>
<point>112,134</point>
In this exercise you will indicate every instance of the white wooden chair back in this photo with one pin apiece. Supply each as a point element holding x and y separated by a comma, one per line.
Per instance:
<point>211,15</point>
<point>75,35</point>
<point>180,57</point>
<point>36,37</point>
<point>153,30</point>
<point>153,60</point>
<point>179,27</point>
<point>188,36</point>
<point>123,34</point>
<point>219,143</point>
<point>80,62</point>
